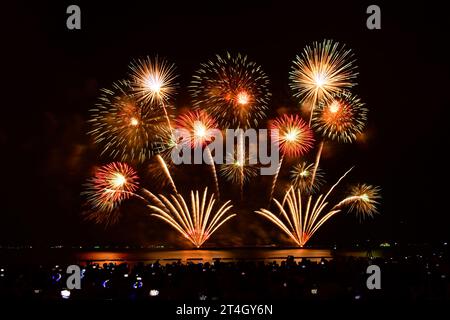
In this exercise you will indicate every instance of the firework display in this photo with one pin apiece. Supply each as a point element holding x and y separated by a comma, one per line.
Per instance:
<point>273,154</point>
<point>196,223</point>
<point>133,122</point>
<point>233,89</point>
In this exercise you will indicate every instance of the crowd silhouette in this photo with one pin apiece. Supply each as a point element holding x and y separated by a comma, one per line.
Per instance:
<point>403,278</point>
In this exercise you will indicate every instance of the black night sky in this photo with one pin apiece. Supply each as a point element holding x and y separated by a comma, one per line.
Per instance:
<point>52,76</point>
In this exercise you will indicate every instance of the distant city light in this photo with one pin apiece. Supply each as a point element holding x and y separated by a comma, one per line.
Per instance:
<point>154,293</point>
<point>65,294</point>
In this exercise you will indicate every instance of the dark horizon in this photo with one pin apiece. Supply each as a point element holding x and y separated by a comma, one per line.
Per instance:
<point>53,77</point>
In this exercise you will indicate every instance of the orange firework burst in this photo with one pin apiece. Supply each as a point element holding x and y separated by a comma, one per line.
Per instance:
<point>111,184</point>
<point>153,80</point>
<point>198,128</point>
<point>292,134</point>
<point>340,117</point>
<point>124,126</point>
<point>232,89</point>
<point>196,222</point>
<point>363,200</point>
<point>323,69</point>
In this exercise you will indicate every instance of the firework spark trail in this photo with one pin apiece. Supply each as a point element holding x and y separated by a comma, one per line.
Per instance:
<point>164,145</point>
<point>196,224</point>
<point>152,198</point>
<point>302,221</point>
<point>213,170</point>
<point>322,69</point>
<point>275,178</point>
<point>169,124</point>
<point>313,106</point>
<point>232,89</point>
<point>241,182</point>
<point>316,163</point>
<point>241,160</point>
<point>166,171</point>
<point>156,173</point>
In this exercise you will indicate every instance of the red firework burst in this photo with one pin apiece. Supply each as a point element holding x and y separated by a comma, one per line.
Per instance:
<point>292,134</point>
<point>198,128</point>
<point>111,184</point>
<point>341,117</point>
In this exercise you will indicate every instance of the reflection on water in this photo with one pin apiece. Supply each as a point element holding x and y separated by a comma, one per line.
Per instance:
<point>209,255</point>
